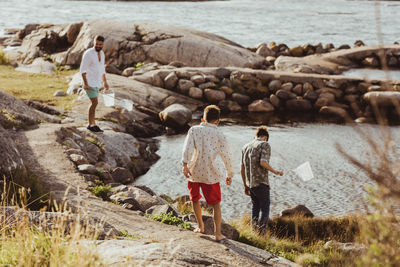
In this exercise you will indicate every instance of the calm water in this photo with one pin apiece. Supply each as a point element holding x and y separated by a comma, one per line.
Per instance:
<point>247,22</point>
<point>374,74</point>
<point>337,188</point>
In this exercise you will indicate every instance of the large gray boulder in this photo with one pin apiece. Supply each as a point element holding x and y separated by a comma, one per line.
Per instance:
<point>176,116</point>
<point>128,43</point>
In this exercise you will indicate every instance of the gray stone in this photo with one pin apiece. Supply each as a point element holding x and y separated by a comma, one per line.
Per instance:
<point>198,79</point>
<point>241,99</point>
<point>285,95</point>
<point>185,85</point>
<point>334,112</point>
<point>78,159</point>
<point>207,85</point>
<point>87,168</point>
<point>261,106</point>
<point>287,86</point>
<point>165,209</point>
<point>74,151</point>
<point>146,189</point>
<point>298,89</point>
<point>59,93</point>
<point>39,65</point>
<point>125,198</point>
<point>311,95</point>
<point>222,73</point>
<point>214,96</point>
<point>211,78</point>
<point>157,80</point>
<point>264,51</point>
<point>128,71</point>
<point>274,100</point>
<point>170,81</point>
<point>144,199</point>
<point>274,85</point>
<point>122,175</point>
<point>176,115</point>
<point>195,92</point>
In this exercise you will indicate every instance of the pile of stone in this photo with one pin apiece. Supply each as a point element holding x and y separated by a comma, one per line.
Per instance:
<point>110,157</point>
<point>236,90</point>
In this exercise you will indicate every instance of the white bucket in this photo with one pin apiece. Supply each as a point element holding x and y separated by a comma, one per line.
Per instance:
<point>109,99</point>
<point>125,103</point>
<point>304,171</point>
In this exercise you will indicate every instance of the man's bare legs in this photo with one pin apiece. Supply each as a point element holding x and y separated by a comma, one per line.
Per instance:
<point>217,222</point>
<point>92,111</point>
<point>197,213</point>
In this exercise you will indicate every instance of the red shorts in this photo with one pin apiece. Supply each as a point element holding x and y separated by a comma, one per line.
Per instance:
<point>211,192</point>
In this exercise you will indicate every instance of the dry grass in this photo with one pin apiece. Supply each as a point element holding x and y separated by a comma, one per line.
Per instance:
<point>39,87</point>
<point>306,248</point>
<point>44,241</point>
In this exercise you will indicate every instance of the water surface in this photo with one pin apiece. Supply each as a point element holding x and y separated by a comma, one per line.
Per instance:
<point>337,189</point>
<point>247,22</point>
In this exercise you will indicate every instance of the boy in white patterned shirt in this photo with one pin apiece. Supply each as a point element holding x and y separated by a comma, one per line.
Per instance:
<point>203,144</point>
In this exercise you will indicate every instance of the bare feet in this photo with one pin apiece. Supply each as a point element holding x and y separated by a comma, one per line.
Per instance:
<point>199,230</point>
<point>219,238</point>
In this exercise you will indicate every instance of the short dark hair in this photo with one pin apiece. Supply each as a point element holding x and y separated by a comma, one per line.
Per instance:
<point>99,38</point>
<point>262,131</point>
<point>211,113</point>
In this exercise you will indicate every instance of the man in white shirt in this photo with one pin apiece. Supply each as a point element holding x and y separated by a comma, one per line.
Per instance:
<point>203,144</point>
<point>93,74</point>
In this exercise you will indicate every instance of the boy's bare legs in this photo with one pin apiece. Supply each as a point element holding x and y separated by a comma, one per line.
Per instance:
<point>217,222</point>
<point>197,213</point>
<point>92,110</point>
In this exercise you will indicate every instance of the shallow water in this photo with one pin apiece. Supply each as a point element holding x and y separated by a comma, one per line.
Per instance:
<point>337,189</point>
<point>373,74</point>
<point>247,22</point>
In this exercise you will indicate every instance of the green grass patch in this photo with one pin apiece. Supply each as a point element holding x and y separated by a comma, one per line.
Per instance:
<point>170,219</point>
<point>126,234</point>
<point>38,87</point>
<point>101,190</point>
<point>9,120</point>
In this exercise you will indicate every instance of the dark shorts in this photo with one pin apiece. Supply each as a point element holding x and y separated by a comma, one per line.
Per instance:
<point>211,192</point>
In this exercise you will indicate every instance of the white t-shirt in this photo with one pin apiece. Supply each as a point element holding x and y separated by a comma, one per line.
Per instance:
<point>202,145</point>
<point>93,68</point>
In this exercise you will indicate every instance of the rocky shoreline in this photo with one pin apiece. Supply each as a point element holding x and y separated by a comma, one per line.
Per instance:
<point>266,79</point>
<point>170,73</point>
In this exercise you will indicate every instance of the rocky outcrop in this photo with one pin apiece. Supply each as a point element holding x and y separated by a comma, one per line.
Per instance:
<point>128,43</point>
<point>330,97</point>
<point>114,156</point>
<point>21,114</point>
<point>337,61</point>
